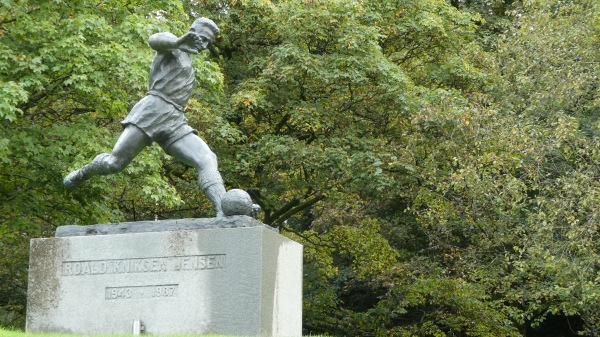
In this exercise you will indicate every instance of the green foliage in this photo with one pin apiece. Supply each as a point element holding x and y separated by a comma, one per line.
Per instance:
<point>556,92</point>
<point>69,71</point>
<point>437,159</point>
<point>10,333</point>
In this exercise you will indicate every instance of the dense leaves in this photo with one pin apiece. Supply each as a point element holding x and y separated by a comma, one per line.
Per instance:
<point>69,71</point>
<point>438,159</point>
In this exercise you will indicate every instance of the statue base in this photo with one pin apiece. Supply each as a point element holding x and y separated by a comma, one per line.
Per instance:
<point>233,276</point>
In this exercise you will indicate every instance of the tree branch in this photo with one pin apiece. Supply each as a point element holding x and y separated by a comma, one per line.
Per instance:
<point>293,210</point>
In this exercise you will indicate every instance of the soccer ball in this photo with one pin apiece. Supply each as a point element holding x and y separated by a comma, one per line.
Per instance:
<point>236,202</point>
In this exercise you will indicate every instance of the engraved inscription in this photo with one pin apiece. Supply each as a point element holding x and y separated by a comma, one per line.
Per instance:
<point>144,265</point>
<point>201,262</point>
<point>141,292</point>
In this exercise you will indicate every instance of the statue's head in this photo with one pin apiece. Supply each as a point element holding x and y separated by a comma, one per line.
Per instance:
<point>206,30</point>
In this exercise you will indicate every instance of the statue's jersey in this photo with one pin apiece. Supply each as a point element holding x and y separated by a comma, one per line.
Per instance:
<point>172,75</point>
<point>160,114</point>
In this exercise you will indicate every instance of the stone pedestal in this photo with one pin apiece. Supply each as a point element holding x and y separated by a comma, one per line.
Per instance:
<point>232,276</point>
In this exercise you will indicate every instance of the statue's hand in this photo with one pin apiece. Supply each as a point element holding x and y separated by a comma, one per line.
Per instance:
<point>187,42</point>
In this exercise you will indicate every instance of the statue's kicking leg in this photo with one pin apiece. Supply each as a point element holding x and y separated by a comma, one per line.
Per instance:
<point>129,144</point>
<point>194,152</point>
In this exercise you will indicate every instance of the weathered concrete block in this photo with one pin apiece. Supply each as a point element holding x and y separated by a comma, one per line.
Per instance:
<point>244,280</point>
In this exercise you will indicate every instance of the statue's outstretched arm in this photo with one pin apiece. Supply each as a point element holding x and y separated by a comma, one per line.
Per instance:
<point>166,41</point>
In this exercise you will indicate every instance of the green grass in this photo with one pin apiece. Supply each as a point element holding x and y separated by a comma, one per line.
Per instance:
<point>13,333</point>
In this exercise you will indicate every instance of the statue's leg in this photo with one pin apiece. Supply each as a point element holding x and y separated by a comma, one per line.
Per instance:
<point>129,144</point>
<point>194,152</point>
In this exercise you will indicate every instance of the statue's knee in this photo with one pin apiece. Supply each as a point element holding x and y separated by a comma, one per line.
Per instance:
<point>212,161</point>
<point>101,158</point>
<point>207,160</point>
<point>107,164</point>
<point>212,157</point>
<point>115,165</point>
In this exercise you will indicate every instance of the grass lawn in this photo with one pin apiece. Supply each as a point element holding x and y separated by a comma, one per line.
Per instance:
<point>11,333</point>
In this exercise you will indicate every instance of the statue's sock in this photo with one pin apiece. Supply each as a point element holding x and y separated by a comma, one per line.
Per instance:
<point>211,184</point>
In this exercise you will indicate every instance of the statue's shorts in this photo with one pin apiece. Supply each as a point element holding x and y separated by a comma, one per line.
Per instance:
<point>160,120</point>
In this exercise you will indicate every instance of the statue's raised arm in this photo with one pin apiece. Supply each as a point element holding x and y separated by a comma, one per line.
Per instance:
<point>200,35</point>
<point>164,41</point>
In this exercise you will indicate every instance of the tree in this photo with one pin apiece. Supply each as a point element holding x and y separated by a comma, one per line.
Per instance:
<point>441,175</point>
<point>549,65</point>
<point>69,71</point>
<point>349,116</point>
